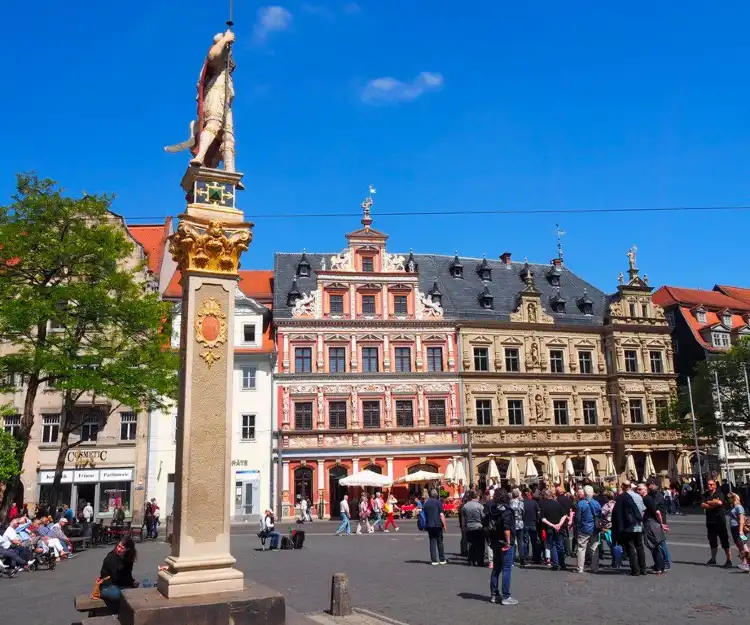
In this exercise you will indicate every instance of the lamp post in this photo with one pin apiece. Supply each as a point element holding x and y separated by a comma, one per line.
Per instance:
<point>720,416</point>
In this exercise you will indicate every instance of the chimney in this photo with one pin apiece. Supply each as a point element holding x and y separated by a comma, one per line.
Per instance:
<point>505,257</point>
<point>557,262</point>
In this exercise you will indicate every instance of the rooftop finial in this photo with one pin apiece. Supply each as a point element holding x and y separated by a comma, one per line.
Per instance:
<point>366,205</point>
<point>560,234</point>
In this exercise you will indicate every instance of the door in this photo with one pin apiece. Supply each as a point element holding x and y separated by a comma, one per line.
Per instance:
<point>336,491</point>
<point>248,499</point>
<point>303,479</point>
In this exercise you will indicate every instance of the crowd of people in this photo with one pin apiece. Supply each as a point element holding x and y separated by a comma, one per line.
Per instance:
<point>376,514</point>
<point>27,543</point>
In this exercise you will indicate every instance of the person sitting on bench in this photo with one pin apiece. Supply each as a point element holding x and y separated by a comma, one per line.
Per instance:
<point>267,528</point>
<point>117,570</point>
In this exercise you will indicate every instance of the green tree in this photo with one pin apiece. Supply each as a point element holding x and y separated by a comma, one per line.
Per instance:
<point>735,403</point>
<point>77,318</point>
<point>10,466</point>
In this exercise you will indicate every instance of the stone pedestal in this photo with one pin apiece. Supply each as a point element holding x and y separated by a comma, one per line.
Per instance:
<point>207,245</point>
<point>256,605</point>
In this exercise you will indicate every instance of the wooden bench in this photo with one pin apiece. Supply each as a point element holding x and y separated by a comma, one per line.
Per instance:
<point>94,607</point>
<point>80,542</point>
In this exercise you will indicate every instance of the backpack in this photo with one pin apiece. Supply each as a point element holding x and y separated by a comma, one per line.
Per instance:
<point>599,523</point>
<point>495,524</point>
<point>421,521</point>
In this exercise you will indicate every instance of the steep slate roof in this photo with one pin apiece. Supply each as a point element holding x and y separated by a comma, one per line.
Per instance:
<point>153,238</point>
<point>461,296</point>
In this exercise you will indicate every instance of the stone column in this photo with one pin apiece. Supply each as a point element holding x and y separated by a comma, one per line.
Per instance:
<point>389,465</point>
<point>285,488</point>
<point>321,488</point>
<point>206,247</point>
<point>355,465</point>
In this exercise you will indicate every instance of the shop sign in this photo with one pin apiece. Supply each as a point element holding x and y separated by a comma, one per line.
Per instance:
<point>116,475</point>
<point>239,463</point>
<point>86,476</point>
<point>48,477</point>
<point>248,476</point>
<point>86,457</point>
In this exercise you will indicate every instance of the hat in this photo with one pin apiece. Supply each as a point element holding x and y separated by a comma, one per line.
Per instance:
<point>63,521</point>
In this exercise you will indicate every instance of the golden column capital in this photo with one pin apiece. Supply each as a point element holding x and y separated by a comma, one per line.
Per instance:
<point>209,246</point>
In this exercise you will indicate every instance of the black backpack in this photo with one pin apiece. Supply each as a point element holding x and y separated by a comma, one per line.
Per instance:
<point>495,525</point>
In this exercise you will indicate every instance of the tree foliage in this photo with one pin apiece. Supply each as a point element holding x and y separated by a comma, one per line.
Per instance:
<point>735,404</point>
<point>79,318</point>
<point>10,465</point>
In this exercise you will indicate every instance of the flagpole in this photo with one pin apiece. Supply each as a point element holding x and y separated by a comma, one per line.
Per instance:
<point>695,434</point>
<point>230,23</point>
<point>720,415</point>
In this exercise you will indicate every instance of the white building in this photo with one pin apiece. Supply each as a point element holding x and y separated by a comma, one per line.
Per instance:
<point>251,404</point>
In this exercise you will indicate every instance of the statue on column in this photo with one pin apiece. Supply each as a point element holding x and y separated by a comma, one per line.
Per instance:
<point>212,137</point>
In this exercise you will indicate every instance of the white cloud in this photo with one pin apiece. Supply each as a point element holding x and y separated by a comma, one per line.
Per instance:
<point>271,19</point>
<point>388,90</point>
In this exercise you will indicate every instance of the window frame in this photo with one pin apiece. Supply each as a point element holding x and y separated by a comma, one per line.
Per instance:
<point>405,420</point>
<point>659,360</point>
<point>483,412</point>
<point>589,405</point>
<point>338,359</point>
<point>368,299</point>
<point>87,423</point>
<point>245,378</point>
<point>559,409</point>
<point>402,359</point>
<point>555,361</point>
<point>53,422</point>
<point>432,352</point>
<point>130,425</point>
<point>368,263</point>
<point>303,358</point>
<point>12,428</point>
<point>368,359</point>
<point>300,416</point>
<point>631,364</point>
<point>370,410</point>
<point>337,424</point>
<point>433,403</point>
<point>339,297</point>
<point>511,358</point>
<point>479,358</point>
<point>245,327</point>
<point>585,356</point>
<point>247,429</point>
<point>514,411</point>
<point>634,403</point>
<point>397,300</point>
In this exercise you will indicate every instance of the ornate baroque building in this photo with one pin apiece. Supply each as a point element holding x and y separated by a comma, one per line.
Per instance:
<point>554,368</point>
<point>366,374</point>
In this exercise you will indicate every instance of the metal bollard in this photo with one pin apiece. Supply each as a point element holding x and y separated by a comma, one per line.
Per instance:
<point>341,603</point>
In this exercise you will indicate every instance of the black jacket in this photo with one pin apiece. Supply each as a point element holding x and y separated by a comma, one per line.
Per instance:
<point>625,514</point>
<point>501,517</point>
<point>120,573</point>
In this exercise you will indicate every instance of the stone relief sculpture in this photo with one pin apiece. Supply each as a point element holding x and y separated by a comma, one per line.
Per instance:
<point>428,307</point>
<point>305,305</point>
<point>531,310</point>
<point>534,353</point>
<point>393,262</point>
<point>342,260</point>
<point>212,134</point>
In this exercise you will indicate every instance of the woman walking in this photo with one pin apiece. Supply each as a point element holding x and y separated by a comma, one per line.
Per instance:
<point>390,510</point>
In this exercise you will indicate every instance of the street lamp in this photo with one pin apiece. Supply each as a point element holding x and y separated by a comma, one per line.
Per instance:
<point>720,418</point>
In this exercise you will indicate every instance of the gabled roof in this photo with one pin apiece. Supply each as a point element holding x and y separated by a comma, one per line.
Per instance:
<point>153,239</point>
<point>460,295</point>
<point>671,295</point>
<point>736,292</point>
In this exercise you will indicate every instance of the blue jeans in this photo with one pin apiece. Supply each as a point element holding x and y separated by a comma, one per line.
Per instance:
<point>275,539</point>
<point>556,547</point>
<point>501,561</point>
<point>344,527</point>
<point>111,592</point>
<point>665,553</point>
<point>529,543</point>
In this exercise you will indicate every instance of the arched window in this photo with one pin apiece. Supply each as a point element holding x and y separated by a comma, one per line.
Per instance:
<point>303,481</point>
<point>374,468</point>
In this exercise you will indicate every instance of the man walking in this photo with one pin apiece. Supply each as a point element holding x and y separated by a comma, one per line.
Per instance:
<point>588,514</point>
<point>554,517</point>
<point>435,526</point>
<point>627,527</point>
<point>529,541</point>
<point>501,523</point>
<point>716,525</point>
<point>471,514</point>
<point>345,527</point>
<point>662,505</point>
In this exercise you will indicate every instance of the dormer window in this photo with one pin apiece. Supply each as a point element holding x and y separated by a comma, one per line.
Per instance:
<point>368,264</point>
<point>700,315</point>
<point>554,280</point>
<point>727,320</point>
<point>411,264</point>
<point>486,299</point>
<point>553,275</point>
<point>720,339</point>
<point>585,305</point>
<point>456,268</point>
<point>303,266</point>
<point>435,294</point>
<point>294,294</point>
<point>484,270</point>
<point>557,302</point>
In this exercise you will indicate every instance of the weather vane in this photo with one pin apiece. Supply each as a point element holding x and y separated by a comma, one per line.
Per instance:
<point>560,234</point>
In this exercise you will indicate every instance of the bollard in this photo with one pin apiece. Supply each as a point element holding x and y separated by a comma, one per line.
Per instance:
<point>341,603</point>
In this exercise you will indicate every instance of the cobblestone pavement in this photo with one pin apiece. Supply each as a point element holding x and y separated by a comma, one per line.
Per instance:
<point>389,573</point>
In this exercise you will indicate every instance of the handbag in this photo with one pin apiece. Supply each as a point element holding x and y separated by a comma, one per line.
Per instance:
<point>96,593</point>
<point>599,523</point>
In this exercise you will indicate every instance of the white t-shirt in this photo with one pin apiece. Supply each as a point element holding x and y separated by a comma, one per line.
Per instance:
<point>8,537</point>
<point>268,522</point>
<point>88,512</point>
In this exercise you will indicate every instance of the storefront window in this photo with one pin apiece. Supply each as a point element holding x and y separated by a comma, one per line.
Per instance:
<point>114,494</point>
<point>46,498</point>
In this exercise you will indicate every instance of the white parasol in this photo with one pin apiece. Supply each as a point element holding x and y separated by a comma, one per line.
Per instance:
<point>630,471</point>
<point>588,465</point>
<point>568,470</point>
<point>513,475</point>
<point>366,478</point>
<point>460,476</point>
<point>552,468</point>
<point>530,472</point>
<point>648,467</point>
<point>450,471</point>
<point>493,474</point>
<point>672,467</point>
<point>419,476</point>
<point>610,471</point>
<point>684,466</point>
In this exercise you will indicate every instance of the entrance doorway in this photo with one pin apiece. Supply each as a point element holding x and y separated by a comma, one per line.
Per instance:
<point>86,494</point>
<point>336,491</point>
<point>303,480</point>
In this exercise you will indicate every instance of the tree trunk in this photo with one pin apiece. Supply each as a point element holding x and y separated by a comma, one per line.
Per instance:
<point>67,427</point>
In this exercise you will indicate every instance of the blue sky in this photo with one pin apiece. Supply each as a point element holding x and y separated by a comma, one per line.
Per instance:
<point>442,106</point>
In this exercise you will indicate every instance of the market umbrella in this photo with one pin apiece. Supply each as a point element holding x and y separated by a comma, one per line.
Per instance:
<point>630,471</point>
<point>513,475</point>
<point>553,469</point>
<point>568,469</point>
<point>450,471</point>
<point>530,472</point>
<point>610,470</point>
<point>493,475</point>
<point>684,466</point>
<point>460,475</point>
<point>588,465</point>
<point>366,478</point>
<point>648,467</point>
<point>419,476</point>
<point>672,467</point>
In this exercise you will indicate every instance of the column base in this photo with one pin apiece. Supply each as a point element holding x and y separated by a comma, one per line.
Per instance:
<point>251,605</point>
<point>187,577</point>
